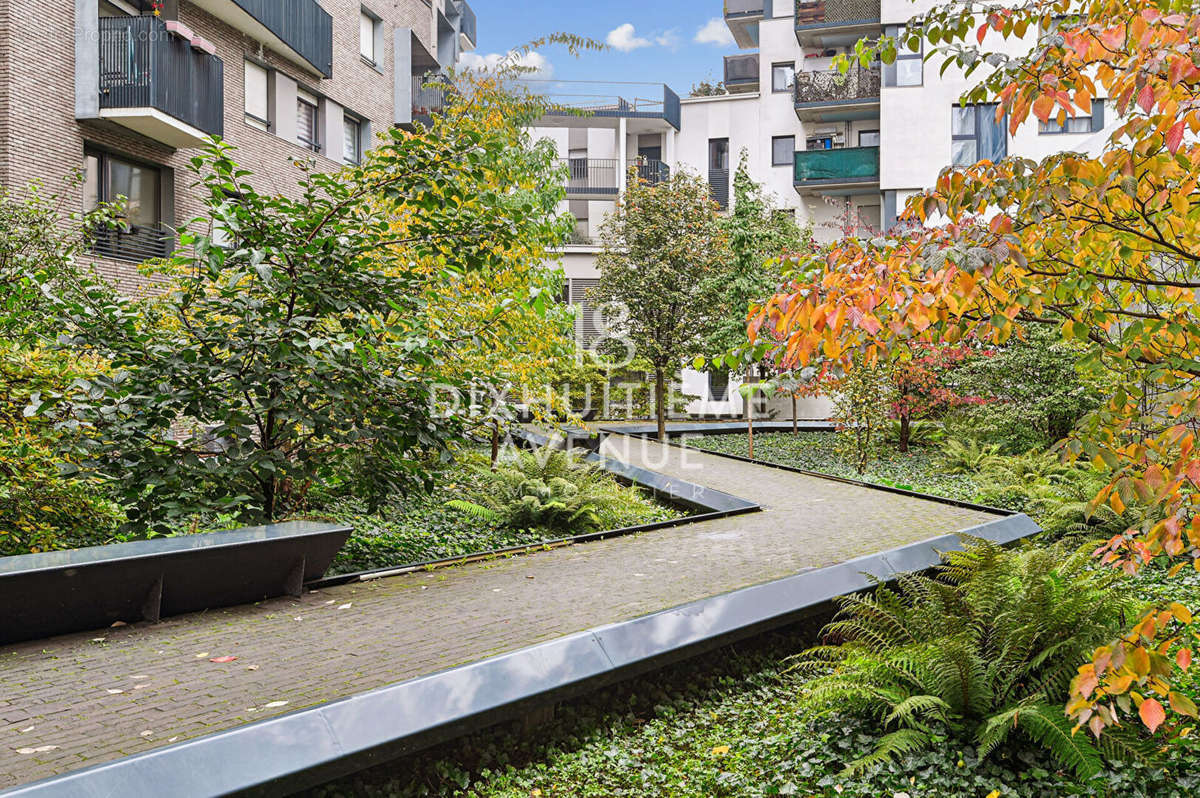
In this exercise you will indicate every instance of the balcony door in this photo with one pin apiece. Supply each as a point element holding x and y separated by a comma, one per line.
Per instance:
<point>718,171</point>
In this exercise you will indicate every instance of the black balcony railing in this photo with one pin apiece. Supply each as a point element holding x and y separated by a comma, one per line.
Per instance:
<point>300,24</point>
<point>651,171</point>
<point>134,243</point>
<point>834,87</point>
<point>601,99</point>
<point>831,12</point>
<point>741,70</point>
<point>144,66</point>
<point>592,176</point>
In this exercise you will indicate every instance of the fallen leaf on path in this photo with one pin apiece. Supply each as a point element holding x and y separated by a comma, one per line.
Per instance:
<point>41,749</point>
<point>26,730</point>
<point>251,667</point>
<point>222,660</point>
<point>275,704</point>
<point>202,655</point>
<point>146,733</point>
<point>118,624</point>
<point>346,606</point>
<point>114,691</point>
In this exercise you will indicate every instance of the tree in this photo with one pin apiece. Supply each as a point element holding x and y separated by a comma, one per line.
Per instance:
<point>920,385</point>
<point>41,508</point>
<point>506,324</point>
<point>662,246</point>
<point>760,239</point>
<point>313,333</point>
<point>861,399</point>
<point>1104,249</point>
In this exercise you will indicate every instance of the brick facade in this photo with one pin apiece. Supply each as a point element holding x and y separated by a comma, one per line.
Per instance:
<point>41,139</point>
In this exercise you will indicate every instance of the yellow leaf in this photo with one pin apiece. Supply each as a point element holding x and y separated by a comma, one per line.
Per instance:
<point>720,750</point>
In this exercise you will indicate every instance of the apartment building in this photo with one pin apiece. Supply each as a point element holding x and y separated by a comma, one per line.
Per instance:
<point>128,89</point>
<point>842,152</point>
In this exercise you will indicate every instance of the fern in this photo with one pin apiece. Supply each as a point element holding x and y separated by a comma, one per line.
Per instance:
<point>475,510</point>
<point>969,457</point>
<point>988,644</point>
<point>897,743</point>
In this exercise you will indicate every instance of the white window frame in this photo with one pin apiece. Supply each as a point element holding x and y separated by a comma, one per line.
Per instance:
<point>369,31</point>
<point>262,122</point>
<point>312,100</point>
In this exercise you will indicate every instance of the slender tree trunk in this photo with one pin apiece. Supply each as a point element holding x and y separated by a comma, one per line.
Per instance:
<point>660,402</point>
<point>495,442</point>
<point>750,415</point>
<point>268,489</point>
<point>795,415</point>
<point>905,432</point>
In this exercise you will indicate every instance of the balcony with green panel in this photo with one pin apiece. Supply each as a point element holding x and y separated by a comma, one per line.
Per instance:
<point>822,24</point>
<point>837,172</point>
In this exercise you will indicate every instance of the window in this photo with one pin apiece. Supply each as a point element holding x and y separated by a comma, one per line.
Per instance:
<point>718,155</point>
<point>353,143</point>
<point>257,103</point>
<point>783,150</point>
<point>976,135</point>
<point>111,178</point>
<point>868,138</point>
<point>307,116</point>
<point>369,36</point>
<point>1076,124</point>
<point>783,77</point>
<point>908,69</point>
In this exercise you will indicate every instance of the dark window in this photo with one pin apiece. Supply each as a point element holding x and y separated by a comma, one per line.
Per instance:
<point>1076,124</point>
<point>783,150</point>
<point>976,135</point>
<point>868,138</point>
<point>718,386</point>
<point>140,186</point>
<point>783,77</point>
<point>307,120</point>
<point>352,146</point>
<point>908,69</point>
<point>718,171</point>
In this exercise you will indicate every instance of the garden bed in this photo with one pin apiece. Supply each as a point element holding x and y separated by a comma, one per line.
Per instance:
<point>730,725</point>
<point>917,470</point>
<point>423,527</point>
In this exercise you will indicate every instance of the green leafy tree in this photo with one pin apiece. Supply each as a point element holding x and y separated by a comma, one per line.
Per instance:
<point>762,242</point>
<point>306,336</point>
<point>861,408</point>
<point>663,245</point>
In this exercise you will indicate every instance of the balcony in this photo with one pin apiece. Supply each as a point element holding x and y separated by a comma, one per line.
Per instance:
<point>299,30</point>
<point>835,23</point>
<point>598,179</point>
<point>592,104</point>
<point>838,172</point>
<point>468,26</point>
<point>428,98</point>
<point>157,84</point>
<point>743,17</point>
<point>741,73</point>
<point>133,243</point>
<point>837,97</point>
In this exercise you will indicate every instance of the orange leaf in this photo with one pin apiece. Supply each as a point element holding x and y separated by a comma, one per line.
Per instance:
<point>222,660</point>
<point>1146,98</point>
<point>1175,137</point>
<point>1152,714</point>
<point>1184,658</point>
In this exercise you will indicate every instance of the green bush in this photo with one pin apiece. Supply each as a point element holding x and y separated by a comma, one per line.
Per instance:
<point>547,488</point>
<point>968,456</point>
<point>986,648</point>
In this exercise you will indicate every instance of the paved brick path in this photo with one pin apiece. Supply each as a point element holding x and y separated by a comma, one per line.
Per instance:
<point>101,695</point>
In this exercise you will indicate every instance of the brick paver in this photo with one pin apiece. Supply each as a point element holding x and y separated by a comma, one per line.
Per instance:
<point>101,695</point>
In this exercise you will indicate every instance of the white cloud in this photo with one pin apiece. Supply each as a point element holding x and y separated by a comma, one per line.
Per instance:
<point>715,32</point>
<point>668,39</point>
<point>624,39</point>
<point>492,61</point>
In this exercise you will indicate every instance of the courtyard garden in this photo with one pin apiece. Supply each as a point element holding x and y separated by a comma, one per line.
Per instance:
<point>357,352</point>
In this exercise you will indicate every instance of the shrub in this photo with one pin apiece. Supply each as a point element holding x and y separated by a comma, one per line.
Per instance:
<point>968,457</point>
<point>547,488</point>
<point>987,647</point>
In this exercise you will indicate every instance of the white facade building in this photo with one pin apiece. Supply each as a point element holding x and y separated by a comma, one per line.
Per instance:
<point>843,152</point>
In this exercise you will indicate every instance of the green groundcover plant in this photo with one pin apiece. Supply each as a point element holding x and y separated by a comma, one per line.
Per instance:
<point>986,646</point>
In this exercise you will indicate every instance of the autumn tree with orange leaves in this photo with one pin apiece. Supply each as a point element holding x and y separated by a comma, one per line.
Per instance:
<point>1105,249</point>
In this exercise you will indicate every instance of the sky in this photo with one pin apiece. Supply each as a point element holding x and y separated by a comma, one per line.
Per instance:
<point>677,42</point>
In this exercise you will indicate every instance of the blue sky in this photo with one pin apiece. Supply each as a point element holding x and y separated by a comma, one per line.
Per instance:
<point>677,42</point>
